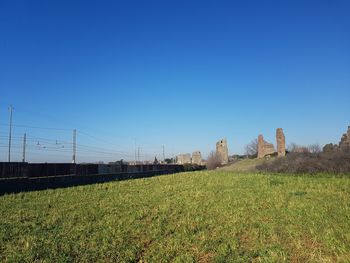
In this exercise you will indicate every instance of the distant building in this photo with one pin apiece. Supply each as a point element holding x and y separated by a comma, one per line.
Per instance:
<point>197,158</point>
<point>183,158</point>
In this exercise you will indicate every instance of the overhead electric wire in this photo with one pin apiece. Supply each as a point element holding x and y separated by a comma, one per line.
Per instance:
<point>63,146</point>
<point>101,148</point>
<point>37,127</point>
<point>97,139</point>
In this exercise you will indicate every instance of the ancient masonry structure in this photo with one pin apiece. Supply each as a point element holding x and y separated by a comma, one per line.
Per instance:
<point>186,158</point>
<point>222,151</point>
<point>281,142</point>
<point>264,147</point>
<point>197,157</point>
<point>183,158</point>
<point>344,143</point>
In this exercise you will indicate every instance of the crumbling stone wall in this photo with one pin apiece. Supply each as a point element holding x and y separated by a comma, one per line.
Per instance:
<point>281,142</point>
<point>197,157</point>
<point>264,147</point>
<point>183,158</point>
<point>344,144</point>
<point>261,151</point>
<point>222,151</point>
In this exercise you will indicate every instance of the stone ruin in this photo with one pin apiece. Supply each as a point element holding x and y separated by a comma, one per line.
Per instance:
<point>265,148</point>
<point>183,158</point>
<point>197,158</point>
<point>281,142</point>
<point>222,151</point>
<point>344,144</point>
<point>186,158</point>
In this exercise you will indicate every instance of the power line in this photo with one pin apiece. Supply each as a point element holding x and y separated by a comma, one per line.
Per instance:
<point>84,149</point>
<point>33,143</point>
<point>36,127</point>
<point>42,143</point>
<point>97,139</point>
<point>49,140</point>
<point>101,149</point>
<point>103,152</point>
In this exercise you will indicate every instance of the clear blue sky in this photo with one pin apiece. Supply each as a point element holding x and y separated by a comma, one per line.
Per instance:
<point>179,73</point>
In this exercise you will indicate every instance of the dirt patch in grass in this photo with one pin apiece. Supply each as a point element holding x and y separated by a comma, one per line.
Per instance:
<point>307,249</point>
<point>206,257</point>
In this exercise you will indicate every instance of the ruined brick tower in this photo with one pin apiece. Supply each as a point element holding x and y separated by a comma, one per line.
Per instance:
<point>264,148</point>
<point>261,146</point>
<point>281,142</point>
<point>222,151</point>
<point>344,143</point>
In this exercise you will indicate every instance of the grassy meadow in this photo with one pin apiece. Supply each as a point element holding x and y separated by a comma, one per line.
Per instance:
<point>207,216</point>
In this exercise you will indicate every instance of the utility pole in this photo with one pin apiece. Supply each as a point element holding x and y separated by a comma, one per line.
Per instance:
<point>10,133</point>
<point>135,151</point>
<point>74,144</point>
<point>138,154</point>
<point>163,153</point>
<point>24,148</point>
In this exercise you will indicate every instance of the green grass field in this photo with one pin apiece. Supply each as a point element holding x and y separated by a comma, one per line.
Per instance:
<point>246,165</point>
<point>188,217</point>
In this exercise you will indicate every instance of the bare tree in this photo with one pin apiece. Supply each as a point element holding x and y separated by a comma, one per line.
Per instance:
<point>314,148</point>
<point>213,161</point>
<point>292,147</point>
<point>251,149</point>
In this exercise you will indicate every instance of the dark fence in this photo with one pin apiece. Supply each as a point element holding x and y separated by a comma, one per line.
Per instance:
<point>18,177</point>
<point>50,169</point>
<point>15,170</point>
<point>16,185</point>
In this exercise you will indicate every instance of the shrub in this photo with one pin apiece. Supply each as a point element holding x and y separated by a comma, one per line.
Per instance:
<point>213,161</point>
<point>314,148</point>
<point>329,162</point>
<point>295,148</point>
